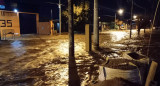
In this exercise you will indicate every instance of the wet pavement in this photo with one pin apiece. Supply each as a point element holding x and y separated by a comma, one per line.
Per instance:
<point>38,60</point>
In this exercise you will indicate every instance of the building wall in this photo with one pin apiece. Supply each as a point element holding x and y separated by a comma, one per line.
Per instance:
<point>44,28</point>
<point>9,20</point>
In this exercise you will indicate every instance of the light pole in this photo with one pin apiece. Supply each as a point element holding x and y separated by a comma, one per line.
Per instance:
<point>51,14</point>
<point>60,18</point>
<point>115,21</point>
<point>131,20</point>
<point>59,6</point>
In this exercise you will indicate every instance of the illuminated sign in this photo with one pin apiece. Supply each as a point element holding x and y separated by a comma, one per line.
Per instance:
<point>2,7</point>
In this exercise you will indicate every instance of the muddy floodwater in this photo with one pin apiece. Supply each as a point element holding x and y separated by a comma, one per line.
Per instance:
<point>39,60</point>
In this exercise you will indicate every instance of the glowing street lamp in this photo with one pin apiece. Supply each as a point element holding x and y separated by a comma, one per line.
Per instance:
<point>120,11</point>
<point>135,17</point>
<point>15,10</point>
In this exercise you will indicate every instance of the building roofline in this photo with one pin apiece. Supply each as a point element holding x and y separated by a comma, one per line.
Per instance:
<point>19,12</point>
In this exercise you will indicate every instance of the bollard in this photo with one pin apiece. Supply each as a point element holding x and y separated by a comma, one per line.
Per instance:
<point>52,27</point>
<point>151,73</point>
<point>88,38</point>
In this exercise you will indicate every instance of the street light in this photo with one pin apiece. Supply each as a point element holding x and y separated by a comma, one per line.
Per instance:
<point>135,16</point>
<point>120,11</point>
<point>15,10</point>
<point>131,19</point>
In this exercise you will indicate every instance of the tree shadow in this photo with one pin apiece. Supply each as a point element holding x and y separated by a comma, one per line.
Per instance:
<point>106,51</point>
<point>74,79</point>
<point>99,60</point>
<point>101,51</point>
<point>97,57</point>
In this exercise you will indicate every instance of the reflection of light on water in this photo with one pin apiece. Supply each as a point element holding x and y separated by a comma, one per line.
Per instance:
<point>17,48</point>
<point>119,45</point>
<point>64,74</point>
<point>58,77</point>
<point>16,44</point>
<point>134,31</point>
<point>63,48</point>
<point>117,36</point>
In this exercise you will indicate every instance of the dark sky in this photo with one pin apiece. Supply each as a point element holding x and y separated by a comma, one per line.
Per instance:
<point>113,4</point>
<point>139,6</point>
<point>106,7</point>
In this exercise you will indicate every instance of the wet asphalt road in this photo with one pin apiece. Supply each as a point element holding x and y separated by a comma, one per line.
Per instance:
<point>43,60</point>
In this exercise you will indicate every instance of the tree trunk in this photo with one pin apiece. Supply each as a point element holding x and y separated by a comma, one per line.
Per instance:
<point>96,30</point>
<point>73,74</point>
<point>70,27</point>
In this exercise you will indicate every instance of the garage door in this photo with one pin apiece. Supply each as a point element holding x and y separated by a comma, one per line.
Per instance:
<point>28,23</point>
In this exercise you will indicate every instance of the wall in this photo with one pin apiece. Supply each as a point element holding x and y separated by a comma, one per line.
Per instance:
<point>9,20</point>
<point>44,28</point>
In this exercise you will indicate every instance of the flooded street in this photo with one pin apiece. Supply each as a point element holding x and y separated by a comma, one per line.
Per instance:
<point>38,60</point>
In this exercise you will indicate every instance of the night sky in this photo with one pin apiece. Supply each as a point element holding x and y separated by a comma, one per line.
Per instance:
<point>106,7</point>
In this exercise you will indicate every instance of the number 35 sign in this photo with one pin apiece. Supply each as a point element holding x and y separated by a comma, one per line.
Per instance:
<point>9,20</point>
<point>5,23</point>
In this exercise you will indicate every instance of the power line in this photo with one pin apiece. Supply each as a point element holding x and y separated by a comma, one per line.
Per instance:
<point>55,3</point>
<point>113,10</point>
<point>108,15</point>
<point>138,5</point>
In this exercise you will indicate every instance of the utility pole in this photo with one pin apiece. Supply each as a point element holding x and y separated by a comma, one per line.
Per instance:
<point>131,20</point>
<point>51,14</point>
<point>59,6</point>
<point>96,30</point>
<point>60,17</point>
<point>145,19</point>
<point>115,21</point>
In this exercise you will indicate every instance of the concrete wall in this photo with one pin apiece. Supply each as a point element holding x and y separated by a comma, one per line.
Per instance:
<point>10,20</point>
<point>44,28</point>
